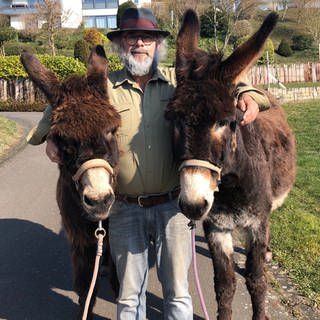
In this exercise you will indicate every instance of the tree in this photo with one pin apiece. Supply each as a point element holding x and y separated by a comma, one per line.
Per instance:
<point>6,34</point>
<point>229,12</point>
<point>169,13</point>
<point>311,21</point>
<point>51,13</point>
<point>4,21</point>
<point>301,5</point>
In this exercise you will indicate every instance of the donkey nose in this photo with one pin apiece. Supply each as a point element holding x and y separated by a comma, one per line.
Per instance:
<point>193,211</point>
<point>94,202</point>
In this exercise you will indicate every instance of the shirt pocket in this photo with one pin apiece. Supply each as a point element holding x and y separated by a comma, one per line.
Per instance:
<point>126,123</point>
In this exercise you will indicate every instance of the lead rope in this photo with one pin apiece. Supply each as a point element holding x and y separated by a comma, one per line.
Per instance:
<point>100,234</point>
<point>192,226</point>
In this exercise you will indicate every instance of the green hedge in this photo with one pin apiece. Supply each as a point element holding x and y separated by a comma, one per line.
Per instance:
<point>11,67</point>
<point>12,105</point>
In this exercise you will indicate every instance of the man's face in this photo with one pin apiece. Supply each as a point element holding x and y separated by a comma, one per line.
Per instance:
<point>139,50</point>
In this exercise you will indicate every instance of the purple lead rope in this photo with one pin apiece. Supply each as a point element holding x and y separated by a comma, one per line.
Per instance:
<point>195,271</point>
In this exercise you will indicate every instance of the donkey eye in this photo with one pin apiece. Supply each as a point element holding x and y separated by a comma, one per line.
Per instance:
<point>233,125</point>
<point>222,123</point>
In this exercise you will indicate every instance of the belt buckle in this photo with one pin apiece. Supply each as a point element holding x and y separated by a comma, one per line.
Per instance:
<point>139,200</point>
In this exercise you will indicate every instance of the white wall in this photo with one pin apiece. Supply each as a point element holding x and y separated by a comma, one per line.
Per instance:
<point>73,9</point>
<point>17,22</point>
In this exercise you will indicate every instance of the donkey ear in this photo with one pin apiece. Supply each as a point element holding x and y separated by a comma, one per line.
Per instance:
<point>188,37</point>
<point>97,70</point>
<point>43,78</point>
<point>238,64</point>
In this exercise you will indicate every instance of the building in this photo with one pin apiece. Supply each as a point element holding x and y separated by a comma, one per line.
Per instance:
<point>93,13</point>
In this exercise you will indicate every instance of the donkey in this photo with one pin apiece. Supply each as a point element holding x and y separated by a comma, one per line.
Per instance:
<point>230,175</point>
<point>83,127</point>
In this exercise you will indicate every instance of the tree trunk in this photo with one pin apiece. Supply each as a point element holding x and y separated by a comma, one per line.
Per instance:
<point>2,52</point>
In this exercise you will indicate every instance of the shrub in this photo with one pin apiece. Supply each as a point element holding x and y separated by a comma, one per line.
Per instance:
<point>284,48</point>
<point>238,41</point>
<point>82,51</point>
<point>93,36</point>
<point>114,63</point>
<point>242,28</point>
<point>6,34</point>
<point>16,48</point>
<point>207,23</point>
<point>22,106</point>
<point>301,42</point>
<point>11,67</point>
<point>268,51</point>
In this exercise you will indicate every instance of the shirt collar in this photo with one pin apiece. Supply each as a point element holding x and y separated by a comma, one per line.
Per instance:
<point>124,76</point>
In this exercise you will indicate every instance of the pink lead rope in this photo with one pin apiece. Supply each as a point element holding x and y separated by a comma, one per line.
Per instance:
<point>192,225</point>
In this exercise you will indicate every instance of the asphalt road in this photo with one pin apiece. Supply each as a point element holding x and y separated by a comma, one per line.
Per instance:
<point>35,270</point>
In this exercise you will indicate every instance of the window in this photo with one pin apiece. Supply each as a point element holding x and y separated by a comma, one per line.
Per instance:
<point>103,22</point>
<point>112,4</point>
<point>89,22</point>
<point>112,22</point>
<point>87,4</point>
<point>100,4</point>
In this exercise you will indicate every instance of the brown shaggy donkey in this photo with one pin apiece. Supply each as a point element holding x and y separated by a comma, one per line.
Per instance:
<point>83,128</point>
<point>253,166</point>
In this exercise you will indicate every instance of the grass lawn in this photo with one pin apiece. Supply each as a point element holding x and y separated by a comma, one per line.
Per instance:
<point>296,226</point>
<point>8,134</point>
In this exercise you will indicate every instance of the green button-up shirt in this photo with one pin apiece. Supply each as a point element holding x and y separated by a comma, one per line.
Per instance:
<point>146,161</point>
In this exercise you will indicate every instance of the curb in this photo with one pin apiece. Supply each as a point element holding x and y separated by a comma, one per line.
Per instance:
<point>23,127</point>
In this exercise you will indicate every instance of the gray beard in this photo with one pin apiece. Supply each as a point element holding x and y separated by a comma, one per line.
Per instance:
<point>140,68</point>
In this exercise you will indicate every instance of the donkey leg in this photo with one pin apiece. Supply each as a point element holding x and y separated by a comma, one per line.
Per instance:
<point>83,265</point>
<point>255,269</point>
<point>221,248</point>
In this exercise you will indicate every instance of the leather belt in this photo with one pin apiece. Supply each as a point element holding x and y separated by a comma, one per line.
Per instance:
<point>146,201</point>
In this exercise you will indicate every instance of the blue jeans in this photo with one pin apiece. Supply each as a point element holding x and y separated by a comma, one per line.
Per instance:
<point>130,230</point>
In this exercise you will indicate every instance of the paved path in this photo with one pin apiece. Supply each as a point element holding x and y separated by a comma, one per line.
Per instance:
<point>35,272</point>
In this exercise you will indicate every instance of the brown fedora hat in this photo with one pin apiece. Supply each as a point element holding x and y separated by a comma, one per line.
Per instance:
<point>137,19</point>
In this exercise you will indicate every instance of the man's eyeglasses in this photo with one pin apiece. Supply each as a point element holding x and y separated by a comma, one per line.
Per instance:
<point>132,39</point>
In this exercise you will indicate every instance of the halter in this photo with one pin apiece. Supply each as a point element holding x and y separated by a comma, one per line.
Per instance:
<point>201,164</point>
<point>93,163</point>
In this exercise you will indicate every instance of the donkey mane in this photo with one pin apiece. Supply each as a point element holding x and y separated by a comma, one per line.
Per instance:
<point>84,112</point>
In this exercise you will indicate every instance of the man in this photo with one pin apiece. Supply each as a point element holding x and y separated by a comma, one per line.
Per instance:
<point>146,211</point>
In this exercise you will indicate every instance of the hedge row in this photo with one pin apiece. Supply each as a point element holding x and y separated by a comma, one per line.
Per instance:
<point>11,67</point>
<point>13,105</point>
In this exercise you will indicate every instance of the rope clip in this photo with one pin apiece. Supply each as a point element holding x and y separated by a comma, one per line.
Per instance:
<point>192,224</point>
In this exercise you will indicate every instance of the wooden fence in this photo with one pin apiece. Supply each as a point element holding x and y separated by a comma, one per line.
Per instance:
<point>24,90</point>
<point>285,73</point>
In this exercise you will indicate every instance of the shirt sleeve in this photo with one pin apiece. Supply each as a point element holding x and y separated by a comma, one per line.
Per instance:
<point>38,134</point>
<point>257,95</point>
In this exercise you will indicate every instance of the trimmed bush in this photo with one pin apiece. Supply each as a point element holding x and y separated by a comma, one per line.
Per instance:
<point>11,67</point>
<point>301,42</point>
<point>269,47</point>
<point>13,105</point>
<point>284,48</point>
<point>82,51</point>
<point>114,63</point>
<point>93,36</point>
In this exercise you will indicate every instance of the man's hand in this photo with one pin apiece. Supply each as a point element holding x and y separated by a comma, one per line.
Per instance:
<point>52,151</point>
<point>249,107</point>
